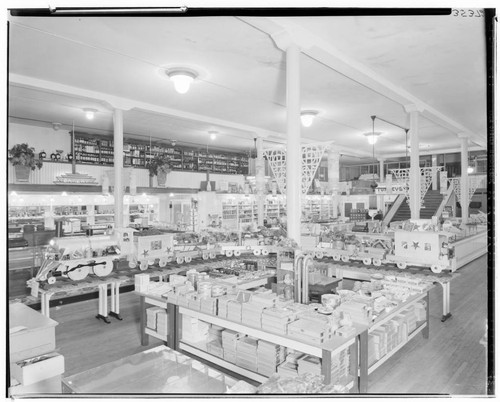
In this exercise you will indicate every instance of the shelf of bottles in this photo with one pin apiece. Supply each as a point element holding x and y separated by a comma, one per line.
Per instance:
<point>94,150</point>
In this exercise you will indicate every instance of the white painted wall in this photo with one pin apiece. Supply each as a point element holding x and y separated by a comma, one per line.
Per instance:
<point>41,138</point>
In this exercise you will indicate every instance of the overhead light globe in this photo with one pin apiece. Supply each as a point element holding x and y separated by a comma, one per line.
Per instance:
<point>307,117</point>
<point>213,135</point>
<point>470,169</point>
<point>182,79</point>
<point>89,113</point>
<point>372,137</point>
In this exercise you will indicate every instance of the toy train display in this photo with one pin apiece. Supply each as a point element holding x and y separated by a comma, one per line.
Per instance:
<point>77,257</point>
<point>400,247</point>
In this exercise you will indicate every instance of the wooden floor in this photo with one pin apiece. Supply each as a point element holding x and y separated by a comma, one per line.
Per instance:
<point>451,361</point>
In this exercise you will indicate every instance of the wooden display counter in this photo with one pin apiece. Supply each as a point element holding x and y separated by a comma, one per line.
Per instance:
<point>358,345</point>
<point>471,247</point>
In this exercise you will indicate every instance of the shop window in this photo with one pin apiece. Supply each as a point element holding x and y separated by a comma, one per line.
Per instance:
<point>475,205</point>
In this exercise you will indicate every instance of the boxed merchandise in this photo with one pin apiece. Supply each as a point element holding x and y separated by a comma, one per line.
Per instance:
<point>230,339</point>
<point>229,356</point>
<point>176,280</point>
<point>194,330</point>
<point>222,303</point>
<point>234,310</point>
<point>246,353</point>
<point>346,331</point>
<point>251,314</point>
<point>359,312</point>
<point>162,323</point>
<point>304,330</point>
<point>141,282</point>
<point>287,369</point>
<point>214,347</point>
<point>151,314</point>
<point>277,319</point>
<point>208,305</point>
<point>38,368</point>
<point>309,364</point>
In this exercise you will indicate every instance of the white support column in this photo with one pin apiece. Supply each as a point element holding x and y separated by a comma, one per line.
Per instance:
<point>260,180</point>
<point>334,178</point>
<point>464,182</point>
<point>414,183</point>
<point>293,148</point>
<point>118,162</point>
<point>435,173</point>
<point>381,170</point>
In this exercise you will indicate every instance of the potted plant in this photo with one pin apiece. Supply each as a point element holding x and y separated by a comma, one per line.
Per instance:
<point>24,160</point>
<point>160,166</point>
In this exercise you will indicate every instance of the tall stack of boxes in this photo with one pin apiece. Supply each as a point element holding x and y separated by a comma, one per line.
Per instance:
<point>269,357</point>
<point>246,353</point>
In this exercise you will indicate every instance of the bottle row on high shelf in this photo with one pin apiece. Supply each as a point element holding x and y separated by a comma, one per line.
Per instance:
<point>100,151</point>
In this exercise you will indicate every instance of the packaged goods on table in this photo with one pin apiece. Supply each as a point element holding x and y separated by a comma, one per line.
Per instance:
<point>246,353</point>
<point>194,330</point>
<point>151,314</point>
<point>141,282</point>
<point>277,319</point>
<point>162,323</point>
<point>269,356</point>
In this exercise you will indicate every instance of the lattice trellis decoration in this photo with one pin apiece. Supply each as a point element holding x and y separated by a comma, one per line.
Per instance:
<point>277,162</point>
<point>426,175</point>
<point>403,179</point>
<point>311,157</point>
<point>474,183</point>
<point>457,188</point>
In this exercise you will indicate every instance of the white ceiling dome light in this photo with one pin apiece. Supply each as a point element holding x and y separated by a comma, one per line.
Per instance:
<point>372,137</point>
<point>307,117</point>
<point>89,113</point>
<point>182,79</point>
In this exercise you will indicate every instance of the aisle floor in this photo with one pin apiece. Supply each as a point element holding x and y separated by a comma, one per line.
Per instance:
<point>451,361</point>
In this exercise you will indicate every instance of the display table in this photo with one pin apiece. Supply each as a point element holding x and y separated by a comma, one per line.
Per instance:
<point>363,273</point>
<point>158,301</point>
<point>470,248</point>
<point>160,370</point>
<point>365,369</point>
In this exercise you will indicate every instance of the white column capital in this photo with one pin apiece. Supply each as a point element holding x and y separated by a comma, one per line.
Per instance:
<point>463,135</point>
<point>413,107</point>
<point>283,40</point>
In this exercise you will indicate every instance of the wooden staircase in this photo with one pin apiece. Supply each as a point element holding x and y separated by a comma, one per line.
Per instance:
<point>432,201</point>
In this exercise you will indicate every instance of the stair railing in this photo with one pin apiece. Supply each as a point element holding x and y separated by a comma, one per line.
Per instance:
<point>392,211</point>
<point>446,200</point>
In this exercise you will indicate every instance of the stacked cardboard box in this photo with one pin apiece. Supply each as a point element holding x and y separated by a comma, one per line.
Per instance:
<point>411,319</point>
<point>234,310</point>
<point>380,343</point>
<point>141,282</point>
<point>162,323</point>
<point>151,316</point>
<point>222,303</point>
<point>358,311</point>
<point>251,314</point>
<point>214,347</point>
<point>194,330</point>
<point>269,357</point>
<point>289,367</point>
<point>208,305</point>
<point>277,319</point>
<point>309,364</point>
<point>420,311</point>
<point>229,340</point>
<point>246,353</point>
<point>340,367</point>
<point>309,331</point>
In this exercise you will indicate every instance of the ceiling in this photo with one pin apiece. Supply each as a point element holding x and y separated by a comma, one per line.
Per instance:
<point>350,69</point>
